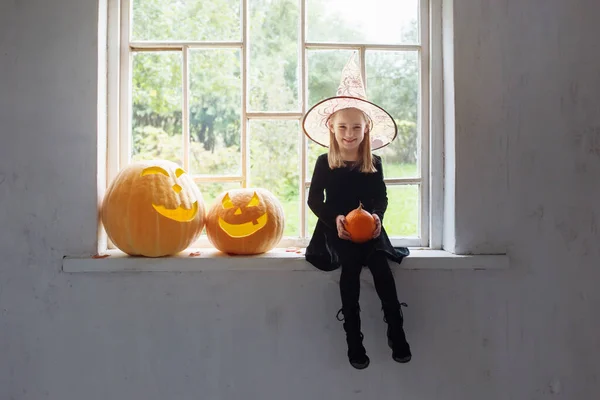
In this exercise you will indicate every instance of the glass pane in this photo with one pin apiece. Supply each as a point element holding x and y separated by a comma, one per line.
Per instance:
<point>359,21</point>
<point>156,106</point>
<point>210,191</point>
<point>402,215</point>
<point>393,83</point>
<point>313,152</point>
<point>214,20</point>
<point>401,218</point>
<point>215,112</point>
<point>275,166</point>
<point>273,55</point>
<point>325,72</point>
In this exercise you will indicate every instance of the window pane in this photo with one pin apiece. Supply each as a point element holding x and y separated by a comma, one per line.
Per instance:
<point>156,106</point>
<point>214,20</point>
<point>313,152</point>
<point>325,72</point>
<point>393,83</point>
<point>359,21</point>
<point>402,215</point>
<point>275,166</point>
<point>215,112</point>
<point>273,55</point>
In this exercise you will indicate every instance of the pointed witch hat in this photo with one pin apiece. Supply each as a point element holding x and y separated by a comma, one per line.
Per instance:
<point>350,94</point>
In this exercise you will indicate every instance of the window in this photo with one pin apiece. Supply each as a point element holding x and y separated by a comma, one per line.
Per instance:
<point>220,88</point>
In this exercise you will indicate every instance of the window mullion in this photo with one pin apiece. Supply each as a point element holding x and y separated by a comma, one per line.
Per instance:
<point>281,115</point>
<point>363,65</point>
<point>113,67</point>
<point>125,86</point>
<point>371,46</point>
<point>177,45</point>
<point>424,123</point>
<point>392,182</point>
<point>244,73</point>
<point>303,89</point>
<point>436,129</point>
<point>185,115</point>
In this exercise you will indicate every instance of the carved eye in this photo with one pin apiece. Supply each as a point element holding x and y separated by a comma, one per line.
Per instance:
<point>154,170</point>
<point>226,202</point>
<point>179,172</point>
<point>254,201</point>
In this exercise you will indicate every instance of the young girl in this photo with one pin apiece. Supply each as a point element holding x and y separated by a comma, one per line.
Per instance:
<point>348,175</point>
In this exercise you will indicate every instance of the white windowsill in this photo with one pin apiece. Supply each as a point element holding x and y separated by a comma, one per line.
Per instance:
<point>275,260</point>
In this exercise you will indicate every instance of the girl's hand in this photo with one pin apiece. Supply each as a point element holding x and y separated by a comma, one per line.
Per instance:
<point>340,222</point>
<point>377,230</point>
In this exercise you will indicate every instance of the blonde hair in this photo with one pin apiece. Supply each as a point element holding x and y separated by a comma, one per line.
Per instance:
<point>365,159</point>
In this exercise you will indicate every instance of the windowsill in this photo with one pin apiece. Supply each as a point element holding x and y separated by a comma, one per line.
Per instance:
<point>275,260</point>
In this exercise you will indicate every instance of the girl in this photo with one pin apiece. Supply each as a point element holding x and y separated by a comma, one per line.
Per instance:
<point>348,175</point>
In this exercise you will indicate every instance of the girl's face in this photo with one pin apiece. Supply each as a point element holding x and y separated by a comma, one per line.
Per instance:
<point>349,127</point>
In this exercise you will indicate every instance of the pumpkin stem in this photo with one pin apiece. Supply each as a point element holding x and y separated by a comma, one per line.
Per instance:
<point>360,206</point>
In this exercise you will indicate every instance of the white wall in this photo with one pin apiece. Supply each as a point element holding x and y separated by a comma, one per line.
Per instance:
<point>528,159</point>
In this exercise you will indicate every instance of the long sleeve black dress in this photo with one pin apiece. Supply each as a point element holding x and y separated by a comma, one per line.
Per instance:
<point>344,189</point>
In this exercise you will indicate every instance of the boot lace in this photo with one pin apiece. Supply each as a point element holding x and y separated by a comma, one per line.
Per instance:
<point>401,314</point>
<point>341,311</point>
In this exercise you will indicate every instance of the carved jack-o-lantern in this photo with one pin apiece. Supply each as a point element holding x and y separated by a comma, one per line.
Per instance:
<point>153,209</point>
<point>245,221</point>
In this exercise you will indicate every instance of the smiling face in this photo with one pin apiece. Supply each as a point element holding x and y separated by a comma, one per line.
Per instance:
<point>245,221</point>
<point>348,127</point>
<point>180,212</point>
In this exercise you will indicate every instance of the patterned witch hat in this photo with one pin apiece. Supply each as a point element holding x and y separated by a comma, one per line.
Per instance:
<point>350,94</point>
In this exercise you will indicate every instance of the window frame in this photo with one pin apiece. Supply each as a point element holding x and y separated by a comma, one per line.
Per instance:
<point>430,111</point>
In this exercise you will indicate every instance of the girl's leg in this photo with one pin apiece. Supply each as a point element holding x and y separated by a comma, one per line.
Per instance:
<point>350,292</point>
<point>350,285</point>
<point>385,285</point>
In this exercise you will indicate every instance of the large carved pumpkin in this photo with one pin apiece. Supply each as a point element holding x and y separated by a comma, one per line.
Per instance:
<point>153,209</point>
<point>245,221</point>
<point>360,224</point>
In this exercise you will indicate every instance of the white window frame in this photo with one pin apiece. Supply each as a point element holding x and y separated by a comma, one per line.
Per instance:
<point>430,115</point>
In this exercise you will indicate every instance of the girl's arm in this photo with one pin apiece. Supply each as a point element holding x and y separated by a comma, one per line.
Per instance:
<point>380,192</point>
<point>316,197</point>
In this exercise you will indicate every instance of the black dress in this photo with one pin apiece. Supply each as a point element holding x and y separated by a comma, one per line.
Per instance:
<point>345,188</point>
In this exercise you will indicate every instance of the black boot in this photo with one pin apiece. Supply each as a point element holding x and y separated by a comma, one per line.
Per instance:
<point>357,355</point>
<point>395,333</point>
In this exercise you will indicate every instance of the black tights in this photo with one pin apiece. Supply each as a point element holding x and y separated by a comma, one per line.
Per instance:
<point>383,279</point>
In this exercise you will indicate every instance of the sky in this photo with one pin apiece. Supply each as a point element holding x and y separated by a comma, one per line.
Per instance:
<point>380,18</point>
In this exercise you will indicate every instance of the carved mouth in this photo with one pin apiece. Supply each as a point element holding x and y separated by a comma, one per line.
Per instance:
<point>245,229</point>
<point>179,214</point>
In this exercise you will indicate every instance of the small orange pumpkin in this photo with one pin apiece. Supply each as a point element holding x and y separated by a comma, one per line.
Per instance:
<point>245,221</point>
<point>153,209</point>
<point>360,225</point>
